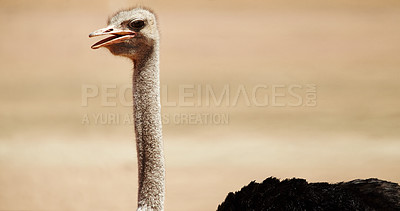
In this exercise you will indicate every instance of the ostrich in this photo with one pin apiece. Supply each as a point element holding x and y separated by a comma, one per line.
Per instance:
<point>134,34</point>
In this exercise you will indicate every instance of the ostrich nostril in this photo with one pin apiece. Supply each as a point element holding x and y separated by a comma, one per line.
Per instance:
<point>109,30</point>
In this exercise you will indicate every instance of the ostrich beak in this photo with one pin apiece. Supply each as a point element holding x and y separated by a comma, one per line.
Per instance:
<point>117,36</point>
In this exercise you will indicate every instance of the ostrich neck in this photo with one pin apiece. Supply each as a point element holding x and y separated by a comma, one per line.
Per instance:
<point>147,116</point>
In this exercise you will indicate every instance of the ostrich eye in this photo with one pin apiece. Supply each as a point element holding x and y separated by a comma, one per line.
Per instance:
<point>139,24</point>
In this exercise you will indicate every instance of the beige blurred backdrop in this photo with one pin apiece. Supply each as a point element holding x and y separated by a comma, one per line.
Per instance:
<point>50,159</point>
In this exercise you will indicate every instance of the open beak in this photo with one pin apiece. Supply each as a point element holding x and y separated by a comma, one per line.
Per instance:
<point>117,36</point>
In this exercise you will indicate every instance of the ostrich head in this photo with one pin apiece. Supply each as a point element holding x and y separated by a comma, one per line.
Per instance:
<point>133,33</point>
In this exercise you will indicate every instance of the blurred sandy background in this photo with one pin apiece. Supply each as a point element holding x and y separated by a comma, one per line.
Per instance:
<point>49,160</point>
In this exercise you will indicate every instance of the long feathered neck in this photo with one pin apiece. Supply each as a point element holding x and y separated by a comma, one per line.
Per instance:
<point>147,116</point>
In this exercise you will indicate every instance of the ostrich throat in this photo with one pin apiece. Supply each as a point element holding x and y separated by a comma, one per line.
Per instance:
<point>147,117</point>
